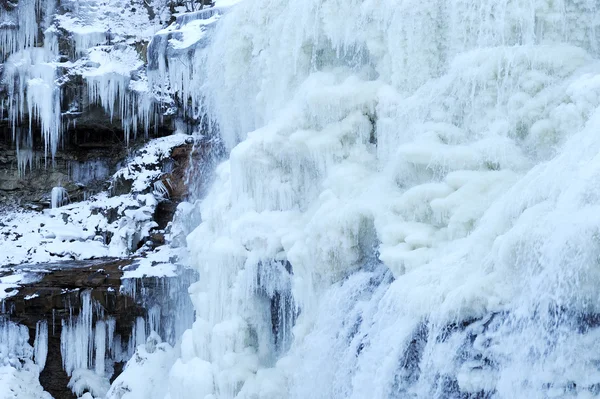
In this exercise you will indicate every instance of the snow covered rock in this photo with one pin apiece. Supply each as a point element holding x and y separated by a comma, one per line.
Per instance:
<point>104,225</point>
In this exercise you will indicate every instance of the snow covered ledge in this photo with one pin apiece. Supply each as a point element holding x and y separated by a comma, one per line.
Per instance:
<point>105,225</point>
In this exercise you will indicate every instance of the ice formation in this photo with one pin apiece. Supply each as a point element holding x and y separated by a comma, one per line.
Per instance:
<point>58,197</point>
<point>88,171</point>
<point>40,345</point>
<point>409,209</point>
<point>90,345</point>
<point>35,71</point>
<point>18,27</point>
<point>171,56</point>
<point>92,341</point>
<point>160,301</point>
<point>410,204</point>
<point>18,372</point>
<point>160,189</point>
<point>29,75</point>
<point>144,374</point>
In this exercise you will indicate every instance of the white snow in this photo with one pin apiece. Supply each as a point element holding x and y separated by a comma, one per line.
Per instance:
<point>144,374</point>
<point>70,231</point>
<point>79,230</point>
<point>144,167</point>
<point>159,263</point>
<point>8,285</point>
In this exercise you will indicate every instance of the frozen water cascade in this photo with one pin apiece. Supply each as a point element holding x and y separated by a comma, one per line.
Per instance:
<point>18,26</point>
<point>418,180</point>
<point>29,74</point>
<point>18,372</point>
<point>409,208</point>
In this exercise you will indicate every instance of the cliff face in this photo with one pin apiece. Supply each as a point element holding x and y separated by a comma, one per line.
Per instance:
<point>82,169</point>
<point>73,91</point>
<point>409,207</point>
<point>84,83</point>
<point>76,107</point>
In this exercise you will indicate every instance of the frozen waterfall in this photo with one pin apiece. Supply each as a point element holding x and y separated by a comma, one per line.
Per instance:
<point>410,207</point>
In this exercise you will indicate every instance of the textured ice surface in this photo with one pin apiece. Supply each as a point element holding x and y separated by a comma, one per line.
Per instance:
<point>410,204</point>
<point>423,174</point>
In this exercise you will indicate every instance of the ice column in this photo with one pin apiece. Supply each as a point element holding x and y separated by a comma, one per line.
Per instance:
<point>59,197</point>
<point>40,346</point>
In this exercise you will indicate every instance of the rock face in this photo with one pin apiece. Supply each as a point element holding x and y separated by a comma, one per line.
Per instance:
<point>83,167</point>
<point>131,214</point>
<point>189,167</point>
<point>74,99</point>
<point>127,311</point>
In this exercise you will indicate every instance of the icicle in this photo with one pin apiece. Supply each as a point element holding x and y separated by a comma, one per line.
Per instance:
<point>117,350</point>
<point>85,40</point>
<point>160,189</point>
<point>24,160</point>
<point>18,28</point>
<point>86,172</point>
<point>138,333</point>
<point>53,321</point>
<point>100,347</point>
<point>34,94</point>
<point>59,197</point>
<point>13,343</point>
<point>154,315</point>
<point>76,340</point>
<point>110,91</point>
<point>40,346</point>
<point>29,72</point>
<point>111,325</point>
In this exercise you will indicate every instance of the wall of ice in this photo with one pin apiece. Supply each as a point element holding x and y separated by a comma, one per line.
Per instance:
<point>410,207</point>
<point>172,56</point>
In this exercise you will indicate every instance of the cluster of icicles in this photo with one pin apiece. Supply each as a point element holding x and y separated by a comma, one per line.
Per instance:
<point>90,343</point>
<point>34,74</point>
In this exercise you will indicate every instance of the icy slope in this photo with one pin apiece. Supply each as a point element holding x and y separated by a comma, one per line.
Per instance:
<point>410,208</point>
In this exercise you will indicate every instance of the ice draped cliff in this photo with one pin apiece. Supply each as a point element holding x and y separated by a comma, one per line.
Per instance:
<point>46,45</point>
<point>410,206</point>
